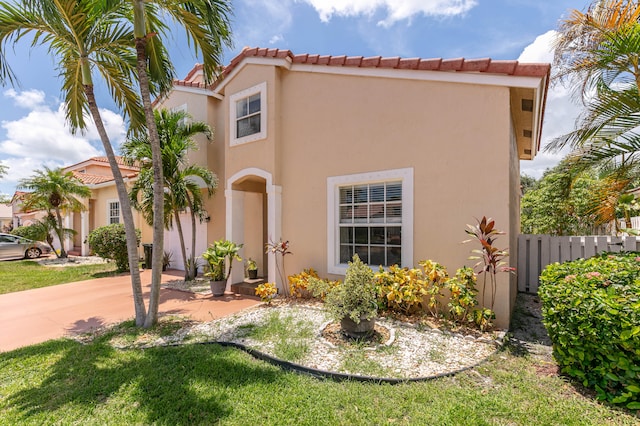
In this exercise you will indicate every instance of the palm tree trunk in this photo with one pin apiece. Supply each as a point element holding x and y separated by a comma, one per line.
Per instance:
<point>59,233</point>
<point>183,250</point>
<point>156,160</point>
<point>125,210</point>
<point>192,266</point>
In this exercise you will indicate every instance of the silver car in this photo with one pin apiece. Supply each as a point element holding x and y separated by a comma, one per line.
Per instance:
<point>15,247</point>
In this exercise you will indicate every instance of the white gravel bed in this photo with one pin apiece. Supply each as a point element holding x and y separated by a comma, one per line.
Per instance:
<point>414,352</point>
<point>55,262</point>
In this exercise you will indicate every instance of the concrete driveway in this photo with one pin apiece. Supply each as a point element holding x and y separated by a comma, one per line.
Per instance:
<point>34,316</point>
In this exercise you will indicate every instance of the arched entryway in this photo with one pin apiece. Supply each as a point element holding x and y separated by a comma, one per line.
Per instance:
<point>253,218</point>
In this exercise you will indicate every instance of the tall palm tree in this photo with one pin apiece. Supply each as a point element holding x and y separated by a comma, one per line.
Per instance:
<point>57,191</point>
<point>206,23</point>
<point>85,37</point>
<point>181,180</point>
<point>598,51</point>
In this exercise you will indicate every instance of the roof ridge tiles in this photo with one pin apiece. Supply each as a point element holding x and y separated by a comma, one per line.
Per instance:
<point>477,65</point>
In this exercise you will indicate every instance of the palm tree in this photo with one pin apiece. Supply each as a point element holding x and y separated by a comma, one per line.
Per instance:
<point>85,36</point>
<point>181,187</point>
<point>206,23</point>
<point>599,52</point>
<point>55,190</point>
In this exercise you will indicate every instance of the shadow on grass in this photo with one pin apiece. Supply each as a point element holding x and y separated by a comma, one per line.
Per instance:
<point>83,326</point>
<point>166,385</point>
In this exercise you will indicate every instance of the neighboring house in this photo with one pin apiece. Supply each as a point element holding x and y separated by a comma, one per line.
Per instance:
<point>389,158</point>
<point>103,207</point>
<point>22,217</point>
<point>6,217</point>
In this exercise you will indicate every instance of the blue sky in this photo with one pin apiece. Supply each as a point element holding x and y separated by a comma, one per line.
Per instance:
<point>33,132</point>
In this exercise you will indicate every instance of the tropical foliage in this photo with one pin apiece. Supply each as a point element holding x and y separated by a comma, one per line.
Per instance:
<point>220,254</point>
<point>598,52</point>
<point>561,203</point>
<point>110,242</point>
<point>206,24</point>
<point>55,191</point>
<point>591,311</point>
<point>182,180</point>
<point>85,37</point>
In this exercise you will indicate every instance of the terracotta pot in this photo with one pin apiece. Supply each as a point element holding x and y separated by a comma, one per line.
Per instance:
<point>218,287</point>
<point>363,329</point>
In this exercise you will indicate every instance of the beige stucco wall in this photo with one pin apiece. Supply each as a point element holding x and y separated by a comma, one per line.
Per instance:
<point>210,154</point>
<point>102,196</point>
<point>456,137</point>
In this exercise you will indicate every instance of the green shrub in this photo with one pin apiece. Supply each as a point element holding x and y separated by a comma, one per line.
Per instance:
<point>356,296</point>
<point>591,309</point>
<point>463,292</point>
<point>405,290</point>
<point>31,232</point>
<point>110,242</point>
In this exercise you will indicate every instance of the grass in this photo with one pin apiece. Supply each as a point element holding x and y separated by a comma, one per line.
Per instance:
<point>288,335</point>
<point>65,382</point>
<point>19,275</point>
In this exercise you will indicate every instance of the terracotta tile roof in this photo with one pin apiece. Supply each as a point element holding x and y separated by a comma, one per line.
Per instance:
<point>104,159</point>
<point>484,65</point>
<point>89,179</point>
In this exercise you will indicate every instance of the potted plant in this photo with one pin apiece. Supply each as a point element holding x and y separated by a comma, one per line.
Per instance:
<point>252,269</point>
<point>167,257</point>
<point>217,256</point>
<point>353,302</point>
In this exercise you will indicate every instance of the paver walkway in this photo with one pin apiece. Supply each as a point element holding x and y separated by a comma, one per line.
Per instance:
<point>34,316</point>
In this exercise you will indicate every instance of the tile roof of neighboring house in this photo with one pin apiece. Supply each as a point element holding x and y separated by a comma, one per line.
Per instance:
<point>485,65</point>
<point>89,179</point>
<point>103,159</point>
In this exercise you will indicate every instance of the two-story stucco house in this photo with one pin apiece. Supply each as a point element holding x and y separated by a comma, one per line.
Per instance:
<point>389,158</point>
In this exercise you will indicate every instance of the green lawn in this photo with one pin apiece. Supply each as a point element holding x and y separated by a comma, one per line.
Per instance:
<point>65,382</point>
<point>18,275</point>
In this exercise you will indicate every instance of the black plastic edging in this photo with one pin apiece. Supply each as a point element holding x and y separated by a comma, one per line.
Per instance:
<point>290,366</point>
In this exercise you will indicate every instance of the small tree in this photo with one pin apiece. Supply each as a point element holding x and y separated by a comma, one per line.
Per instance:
<point>491,259</point>
<point>110,242</point>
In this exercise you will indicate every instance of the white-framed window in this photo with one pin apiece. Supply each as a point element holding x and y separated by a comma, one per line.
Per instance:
<point>181,108</point>
<point>113,211</point>
<point>248,114</point>
<point>370,214</point>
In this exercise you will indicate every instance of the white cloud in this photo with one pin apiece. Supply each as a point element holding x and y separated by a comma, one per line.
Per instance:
<point>396,10</point>
<point>30,99</point>
<point>262,20</point>
<point>561,110</point>
<point>42,138</point>
<point>276,39</point>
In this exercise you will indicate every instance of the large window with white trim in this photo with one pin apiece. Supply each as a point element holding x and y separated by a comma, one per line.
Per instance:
<point>113,212</point>
<point>371,215</point>
<point>248,115</point>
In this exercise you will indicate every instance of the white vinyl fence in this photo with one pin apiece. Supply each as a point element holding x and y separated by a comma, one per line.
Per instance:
<point>535,252</point>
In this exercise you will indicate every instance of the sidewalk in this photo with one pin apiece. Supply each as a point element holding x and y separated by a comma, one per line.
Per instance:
<point>34,316</point>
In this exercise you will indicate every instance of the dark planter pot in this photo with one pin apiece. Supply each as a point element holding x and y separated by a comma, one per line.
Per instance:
<point>218,287</point>
<point>358,331</point>
<point>253,274</point>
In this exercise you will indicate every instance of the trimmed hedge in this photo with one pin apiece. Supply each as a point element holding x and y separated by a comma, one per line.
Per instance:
<point>110,242</point>
<point>591,309</point>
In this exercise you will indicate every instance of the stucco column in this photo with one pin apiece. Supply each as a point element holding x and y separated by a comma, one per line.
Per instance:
<point>68,223</point>
<point>235,228</point>
<point>274,231</point>
<point>84,232</point>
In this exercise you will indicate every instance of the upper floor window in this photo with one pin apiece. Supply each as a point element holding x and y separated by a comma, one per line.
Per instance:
<point>113,212</point>
<point>248,115</point>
